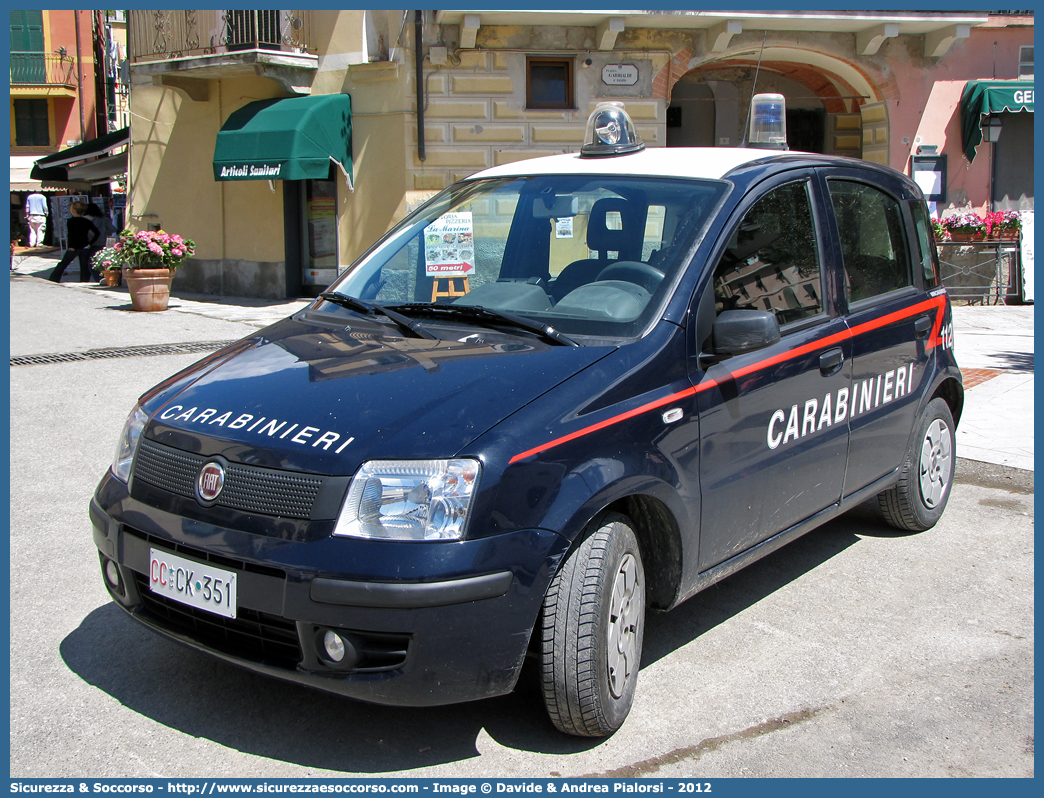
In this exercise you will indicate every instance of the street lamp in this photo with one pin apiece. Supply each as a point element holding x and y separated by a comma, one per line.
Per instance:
<point>992,129</point>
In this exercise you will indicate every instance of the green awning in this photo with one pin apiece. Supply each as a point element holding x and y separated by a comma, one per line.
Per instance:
<point>54,170</point>
<point>286,139</point>
<point>89,149</point>
<point>983,97</point>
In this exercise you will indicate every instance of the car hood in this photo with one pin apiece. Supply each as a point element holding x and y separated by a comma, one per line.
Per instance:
<point>311,396</point>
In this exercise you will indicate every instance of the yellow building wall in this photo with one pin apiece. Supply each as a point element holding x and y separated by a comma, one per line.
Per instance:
<point>252,212</point>
<point>476,114</point>
<point>172,183</point>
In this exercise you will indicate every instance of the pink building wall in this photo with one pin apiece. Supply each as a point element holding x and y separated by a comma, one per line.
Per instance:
<point>926,110</point>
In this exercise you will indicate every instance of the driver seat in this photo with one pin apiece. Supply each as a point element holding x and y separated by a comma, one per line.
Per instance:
<point>625,242</point>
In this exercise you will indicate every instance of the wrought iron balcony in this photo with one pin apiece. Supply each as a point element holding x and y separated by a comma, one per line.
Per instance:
<point>42,69</point>
<point>154,36</point>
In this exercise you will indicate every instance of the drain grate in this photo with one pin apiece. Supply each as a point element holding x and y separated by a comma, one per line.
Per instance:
<point>127,351</point>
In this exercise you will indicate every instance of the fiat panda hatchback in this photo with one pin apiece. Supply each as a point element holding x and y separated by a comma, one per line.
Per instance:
<point>563,393</point>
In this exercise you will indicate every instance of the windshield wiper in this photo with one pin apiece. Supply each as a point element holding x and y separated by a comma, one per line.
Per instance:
<point>479,312</point>
<point>372,308</point>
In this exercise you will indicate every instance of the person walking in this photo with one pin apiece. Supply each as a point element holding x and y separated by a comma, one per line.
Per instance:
<point>105,228</point>
<point>36,216</point>
<point>81,234</point>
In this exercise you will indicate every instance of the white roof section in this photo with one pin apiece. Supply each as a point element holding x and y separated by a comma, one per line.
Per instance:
<point>690,162</point>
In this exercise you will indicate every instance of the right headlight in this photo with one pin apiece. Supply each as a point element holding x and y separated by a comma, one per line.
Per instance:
<point>409,500</point>
<point>121,464</point>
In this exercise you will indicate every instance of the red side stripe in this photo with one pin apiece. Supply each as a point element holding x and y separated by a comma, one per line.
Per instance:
<point>844,335</point>
<point>616,419</point>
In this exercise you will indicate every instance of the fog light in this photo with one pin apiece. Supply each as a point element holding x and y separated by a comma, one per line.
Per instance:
<point>334,646</point>
<point>112,575</point>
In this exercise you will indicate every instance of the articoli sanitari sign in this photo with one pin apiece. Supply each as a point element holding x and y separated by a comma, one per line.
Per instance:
<point>250,171</point>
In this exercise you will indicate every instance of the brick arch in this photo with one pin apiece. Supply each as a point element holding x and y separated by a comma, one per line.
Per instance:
<point>827,82</point>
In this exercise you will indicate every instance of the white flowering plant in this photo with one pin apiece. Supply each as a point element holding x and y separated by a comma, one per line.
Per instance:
<point>108,259</point>
<point>964,221</point>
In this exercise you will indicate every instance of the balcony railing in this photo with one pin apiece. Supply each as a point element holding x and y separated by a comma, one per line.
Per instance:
<point>162,35</point>
<point>42,69</point>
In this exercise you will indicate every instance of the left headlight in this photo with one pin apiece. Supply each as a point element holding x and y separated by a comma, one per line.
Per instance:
<point>409,500</point>
<point>121,464</point>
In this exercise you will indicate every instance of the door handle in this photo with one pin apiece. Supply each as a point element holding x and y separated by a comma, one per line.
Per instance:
<point>922,326</point>
<point>830,362</point>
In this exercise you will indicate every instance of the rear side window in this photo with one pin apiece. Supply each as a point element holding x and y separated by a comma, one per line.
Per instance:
<point>772,261</point>
<point>925,244</point>
<point>873,240</point>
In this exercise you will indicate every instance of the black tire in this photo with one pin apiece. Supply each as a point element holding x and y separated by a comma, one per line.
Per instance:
<point>916,502</point>
<point>597,593</point>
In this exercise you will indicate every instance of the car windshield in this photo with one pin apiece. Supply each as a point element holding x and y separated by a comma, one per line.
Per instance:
<point>588,255</point>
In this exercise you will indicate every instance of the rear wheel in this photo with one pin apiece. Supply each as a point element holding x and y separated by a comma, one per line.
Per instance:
<point>916,502</point>
<point>592,625</point>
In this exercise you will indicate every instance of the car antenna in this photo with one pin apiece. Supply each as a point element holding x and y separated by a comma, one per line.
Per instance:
<point>754,88</point>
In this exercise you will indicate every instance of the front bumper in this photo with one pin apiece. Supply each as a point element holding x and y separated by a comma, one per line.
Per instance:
<point>427,623</point>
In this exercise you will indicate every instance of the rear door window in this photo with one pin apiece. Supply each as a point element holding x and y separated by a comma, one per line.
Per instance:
<point>926,245</point>
<point>873,239</point>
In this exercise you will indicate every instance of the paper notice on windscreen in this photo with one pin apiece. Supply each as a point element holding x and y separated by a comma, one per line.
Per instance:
<point>449,246</point>
<point>564,227</point>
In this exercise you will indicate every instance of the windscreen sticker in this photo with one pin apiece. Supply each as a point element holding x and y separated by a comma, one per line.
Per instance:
<point>564,227</point>
<point>449,246</point>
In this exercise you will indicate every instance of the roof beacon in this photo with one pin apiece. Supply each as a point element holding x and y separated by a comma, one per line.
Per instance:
<point>610,131</point>
<point>768,122</point>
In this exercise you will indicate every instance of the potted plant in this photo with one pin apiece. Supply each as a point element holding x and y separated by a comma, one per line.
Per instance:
<point>964,225</point>
<point>110,262</point>
<point>149,260</point>
<point>1003,224</point>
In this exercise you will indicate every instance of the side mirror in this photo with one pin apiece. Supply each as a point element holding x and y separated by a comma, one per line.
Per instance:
<point>738,331</point>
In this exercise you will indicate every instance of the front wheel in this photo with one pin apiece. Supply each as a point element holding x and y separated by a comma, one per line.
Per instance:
<point>592,625</point>
<point>916,502</point>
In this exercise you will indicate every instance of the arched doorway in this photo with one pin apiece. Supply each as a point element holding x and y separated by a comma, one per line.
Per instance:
<point>833,106</point>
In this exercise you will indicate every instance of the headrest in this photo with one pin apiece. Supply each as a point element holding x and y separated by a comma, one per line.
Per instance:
<point>603,239</point>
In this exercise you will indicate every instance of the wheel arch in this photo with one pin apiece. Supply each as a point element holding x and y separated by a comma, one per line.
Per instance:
<point>951,391</point>
<point>660,541</point>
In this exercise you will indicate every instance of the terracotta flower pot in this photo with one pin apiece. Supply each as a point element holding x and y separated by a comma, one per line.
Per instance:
<point>113,277</point>
<point>958,236</point>
<point>149,288</point>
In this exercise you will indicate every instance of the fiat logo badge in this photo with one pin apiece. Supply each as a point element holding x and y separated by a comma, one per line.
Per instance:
<point>210,481</point>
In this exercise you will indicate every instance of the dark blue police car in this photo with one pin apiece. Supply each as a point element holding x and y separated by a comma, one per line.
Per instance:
<point>560,394</point>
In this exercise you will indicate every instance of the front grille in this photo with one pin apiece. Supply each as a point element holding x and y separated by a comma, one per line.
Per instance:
<point>252,635</point>
<point>203,556</point>
<point>251,489</point>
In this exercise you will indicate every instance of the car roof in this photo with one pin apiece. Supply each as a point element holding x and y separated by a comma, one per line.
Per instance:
<point>708,163</point>
<point>700,162</point>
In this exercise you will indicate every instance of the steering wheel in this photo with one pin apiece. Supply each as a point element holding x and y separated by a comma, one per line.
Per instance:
<point>633,271</point>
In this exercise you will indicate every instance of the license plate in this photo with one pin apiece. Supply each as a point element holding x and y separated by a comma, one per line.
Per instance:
<point>195,584</point>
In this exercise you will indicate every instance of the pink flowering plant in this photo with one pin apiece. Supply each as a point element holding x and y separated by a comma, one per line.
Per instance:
<point>997,222</point>
<point>153,249</point>
<point>941,233</point>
